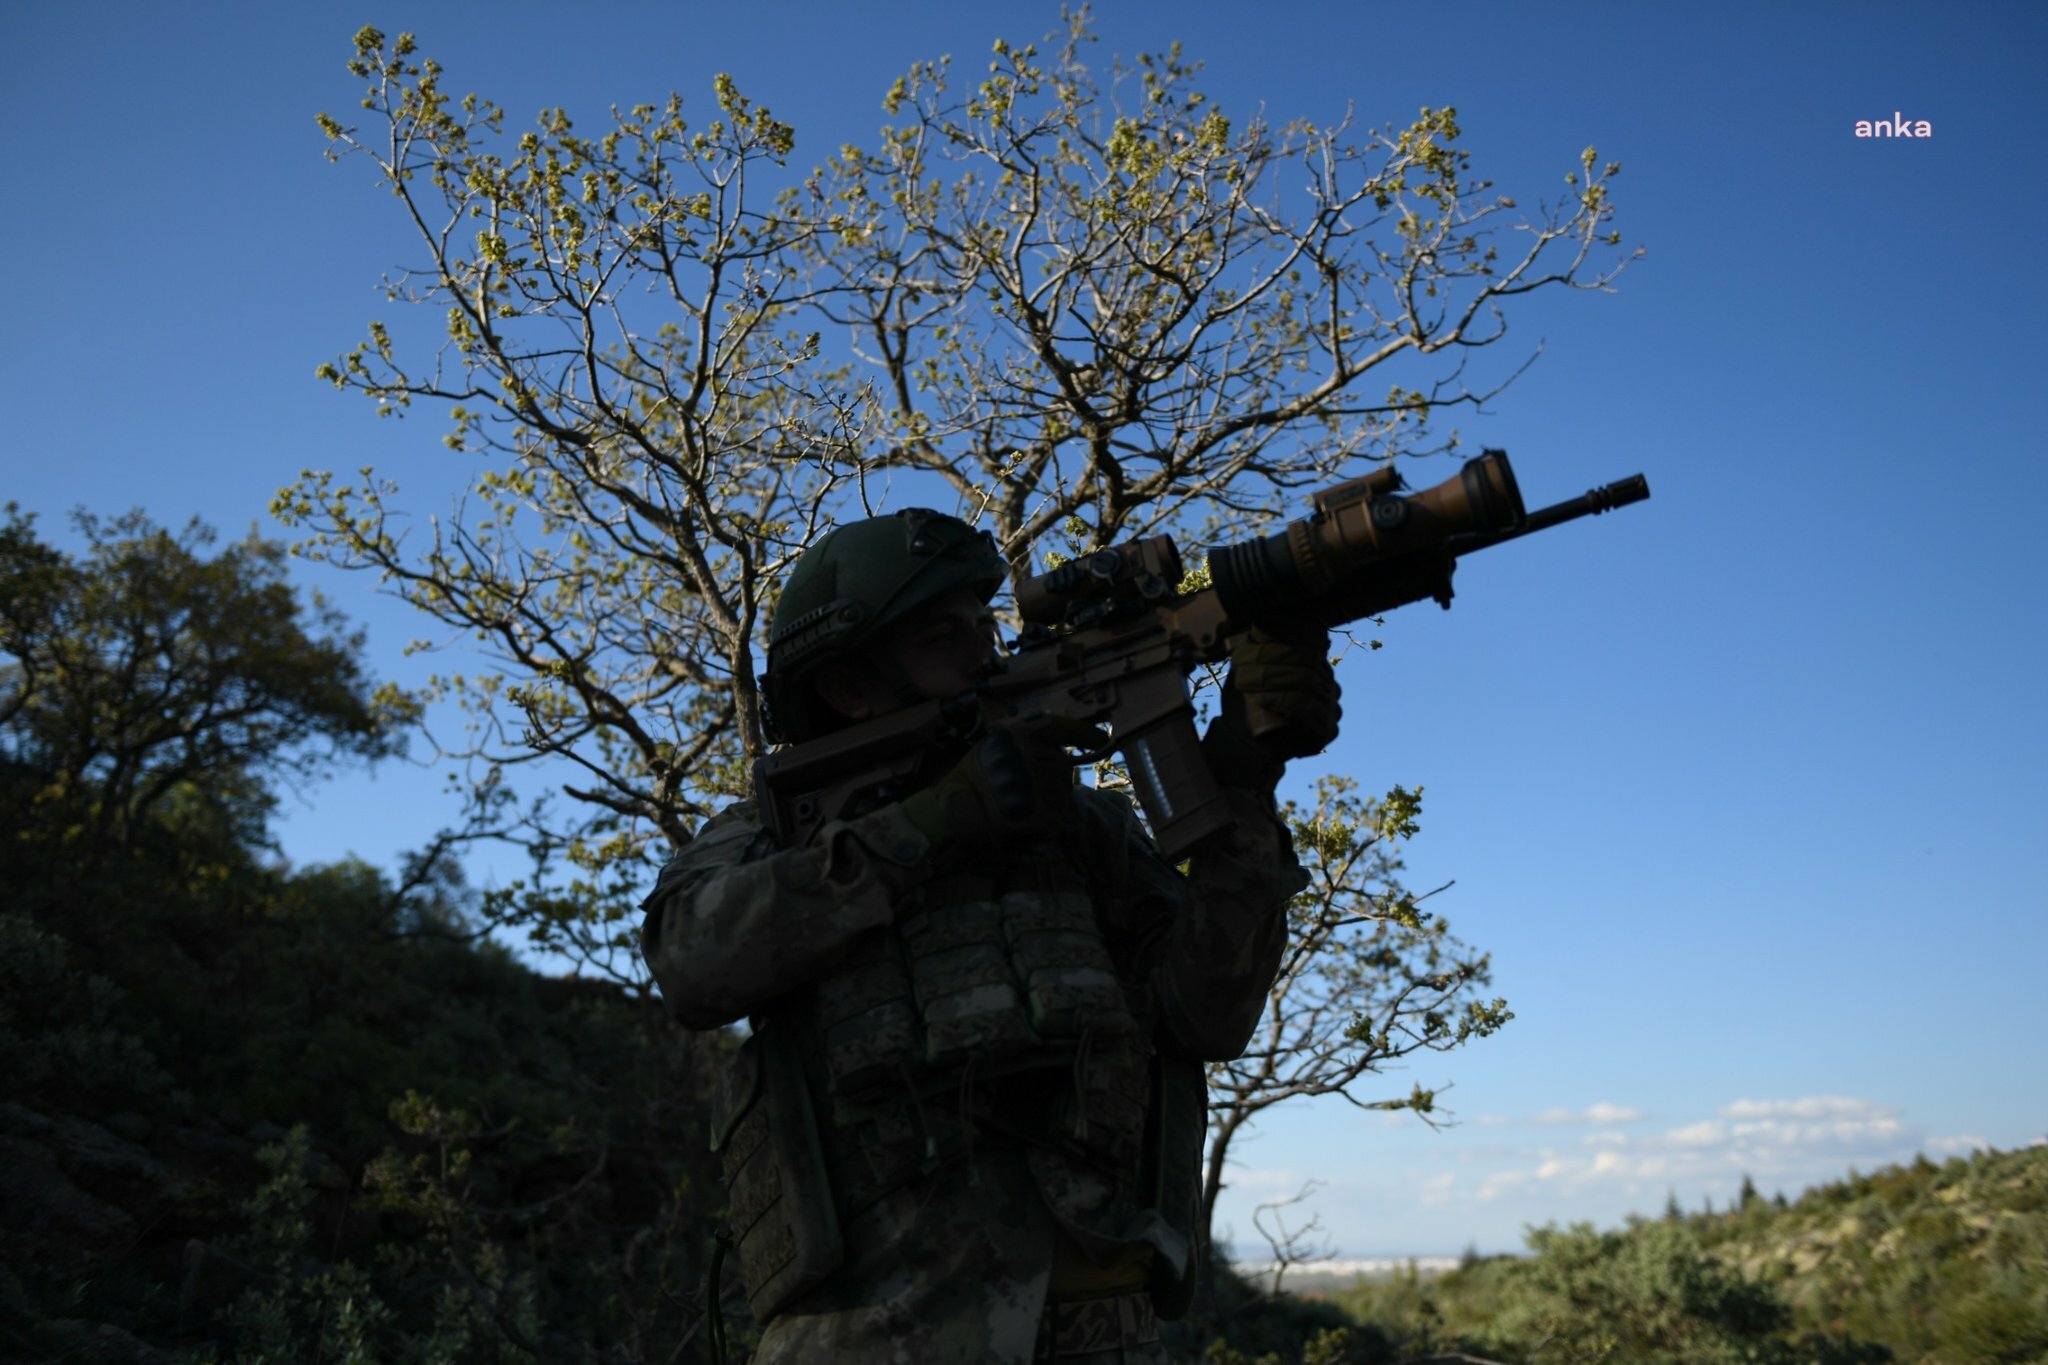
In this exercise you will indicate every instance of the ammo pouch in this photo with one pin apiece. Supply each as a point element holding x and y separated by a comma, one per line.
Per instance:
<point>780,1206</point>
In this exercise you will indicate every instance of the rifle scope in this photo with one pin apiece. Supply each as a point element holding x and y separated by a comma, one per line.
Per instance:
<point>1368,549</point>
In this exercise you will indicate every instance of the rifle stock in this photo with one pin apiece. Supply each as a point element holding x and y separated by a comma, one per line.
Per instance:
<point>1108,640</point>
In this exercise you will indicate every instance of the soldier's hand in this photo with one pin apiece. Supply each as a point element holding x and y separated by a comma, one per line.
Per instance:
<point>1017,779</point>
<point>1287,690</point>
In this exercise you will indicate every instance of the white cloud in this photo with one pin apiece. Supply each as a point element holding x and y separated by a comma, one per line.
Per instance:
<point>1501,1182</point>
<point>1596,1113</point>
<point>1613,1113</point>
<point>1790,1142</point>
<point>1831,1122</point>
<point>1840,1133</point>
<point>1607,1163</point>
<point>1834,1107</point>
<point>1605,1160</point>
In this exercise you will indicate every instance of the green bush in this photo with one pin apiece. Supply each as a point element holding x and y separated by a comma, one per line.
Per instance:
<point>1941,1264</point>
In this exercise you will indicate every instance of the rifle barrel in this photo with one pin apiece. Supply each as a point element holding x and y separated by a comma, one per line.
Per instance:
<point>1605,498</point>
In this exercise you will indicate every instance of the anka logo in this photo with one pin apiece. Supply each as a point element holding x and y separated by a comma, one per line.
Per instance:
<point>1898,125</point>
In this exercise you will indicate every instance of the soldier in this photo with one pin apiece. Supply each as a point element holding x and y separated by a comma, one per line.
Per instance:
<point>967,1122</point>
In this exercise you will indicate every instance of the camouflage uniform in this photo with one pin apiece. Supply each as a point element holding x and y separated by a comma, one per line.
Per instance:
<point>967,1123</point>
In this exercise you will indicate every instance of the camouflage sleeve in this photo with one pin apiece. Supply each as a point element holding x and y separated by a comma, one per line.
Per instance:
<point>1209,942</point>
<point>734,922</point>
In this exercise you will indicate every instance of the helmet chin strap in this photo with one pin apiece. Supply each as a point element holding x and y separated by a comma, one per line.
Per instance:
<point>895,682</point>
<point>947,747</point>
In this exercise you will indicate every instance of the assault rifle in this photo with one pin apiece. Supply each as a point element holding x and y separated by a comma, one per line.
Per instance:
<point>1109,639</point>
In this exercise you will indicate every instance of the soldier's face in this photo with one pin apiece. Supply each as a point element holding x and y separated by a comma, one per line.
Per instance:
<point>945,648</point>
<point>941,650</point>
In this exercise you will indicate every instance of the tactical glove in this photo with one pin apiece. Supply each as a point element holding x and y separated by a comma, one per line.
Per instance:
<point>1016,780</point>
<point>1279,702</point>
<point>1287,690</point>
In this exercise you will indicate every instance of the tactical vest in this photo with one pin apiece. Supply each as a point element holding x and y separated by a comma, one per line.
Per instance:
<point>889,1066</point>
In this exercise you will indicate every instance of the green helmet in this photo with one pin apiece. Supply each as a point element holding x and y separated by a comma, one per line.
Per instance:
<point>854,583</point>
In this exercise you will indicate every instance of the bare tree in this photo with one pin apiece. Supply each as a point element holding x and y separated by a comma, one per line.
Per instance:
<point>1080,296</point>
<point>656,445</point>
<point>1096,305</point>
<point>1303,1243</point>
<point>1369,978</point>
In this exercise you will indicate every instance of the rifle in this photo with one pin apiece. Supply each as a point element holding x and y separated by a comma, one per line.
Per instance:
<point>1109,639</point>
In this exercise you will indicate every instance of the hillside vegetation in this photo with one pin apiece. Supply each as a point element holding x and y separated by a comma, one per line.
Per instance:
<point>255,1114</point>
<point>1931,1263</point>
<point>262,1113</point>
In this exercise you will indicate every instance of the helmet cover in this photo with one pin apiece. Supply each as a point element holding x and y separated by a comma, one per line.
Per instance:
<point>850,586</point>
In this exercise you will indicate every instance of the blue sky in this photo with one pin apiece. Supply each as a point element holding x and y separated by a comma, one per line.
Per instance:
<point>1743,788</point>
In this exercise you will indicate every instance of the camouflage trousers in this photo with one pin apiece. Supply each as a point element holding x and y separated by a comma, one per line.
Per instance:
<point>1119,1329</point>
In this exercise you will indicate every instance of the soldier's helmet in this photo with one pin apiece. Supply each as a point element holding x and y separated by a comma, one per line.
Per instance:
<point>851,585</point>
